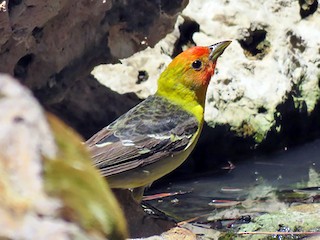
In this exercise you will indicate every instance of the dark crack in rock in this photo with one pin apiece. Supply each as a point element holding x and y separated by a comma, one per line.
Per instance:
<point>254,41</point>
<point>187,29</point>
<point>307,7</point>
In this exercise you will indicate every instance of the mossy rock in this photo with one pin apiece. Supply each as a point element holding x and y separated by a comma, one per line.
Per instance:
<point>71,177</point>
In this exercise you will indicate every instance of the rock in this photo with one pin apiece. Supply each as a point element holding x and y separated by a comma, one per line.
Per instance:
<point>123,77</point>
<point>173,234</point>
<point>301,218</point>
<point>22,192</point>
<point>141,223</point>
<point>49,188</point>
<point>52,46</point>
<point>71,177</point>
<point>179,233</point>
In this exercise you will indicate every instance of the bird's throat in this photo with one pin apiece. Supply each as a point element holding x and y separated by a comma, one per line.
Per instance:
<point>190,100</point>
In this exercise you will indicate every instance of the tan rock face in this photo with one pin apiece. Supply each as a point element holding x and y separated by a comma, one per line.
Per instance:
<point>42,33</point>
<point>41,38</point>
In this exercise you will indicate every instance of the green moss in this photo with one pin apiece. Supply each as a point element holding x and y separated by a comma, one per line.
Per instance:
<point>312,97</point>
<point>291,196</point>
<point>303,218</point>
<point>263,48</point>
<point>257,127</point>
<point>86,196</point>
<point>227,236</point>
<point>308,93</point>
<point>259,137</point>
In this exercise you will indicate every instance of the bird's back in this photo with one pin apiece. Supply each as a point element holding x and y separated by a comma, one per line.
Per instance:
<point>150,132</point>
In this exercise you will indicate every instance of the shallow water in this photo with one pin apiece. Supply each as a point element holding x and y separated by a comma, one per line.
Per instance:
<point>253,178</point>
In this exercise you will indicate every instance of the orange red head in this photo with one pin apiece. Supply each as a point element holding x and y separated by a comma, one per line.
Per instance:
<point>193,69</point>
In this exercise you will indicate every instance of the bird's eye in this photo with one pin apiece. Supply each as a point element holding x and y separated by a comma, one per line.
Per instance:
<point>197,64</point>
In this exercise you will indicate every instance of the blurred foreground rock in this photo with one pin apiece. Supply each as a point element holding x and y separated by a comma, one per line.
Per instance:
<point>49,188</point>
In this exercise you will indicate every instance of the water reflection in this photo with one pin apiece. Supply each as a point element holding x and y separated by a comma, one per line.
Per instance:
<point>256,183</point>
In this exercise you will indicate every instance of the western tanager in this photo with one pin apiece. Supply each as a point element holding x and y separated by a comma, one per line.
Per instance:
<point>157,135</point>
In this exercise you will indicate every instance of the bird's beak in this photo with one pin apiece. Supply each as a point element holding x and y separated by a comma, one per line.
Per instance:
<point>217,49</point>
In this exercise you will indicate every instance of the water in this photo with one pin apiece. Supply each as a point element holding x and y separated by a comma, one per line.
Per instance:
<point>253,178</point>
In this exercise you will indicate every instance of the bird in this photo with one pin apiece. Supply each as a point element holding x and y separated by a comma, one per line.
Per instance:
<point>157,135</point>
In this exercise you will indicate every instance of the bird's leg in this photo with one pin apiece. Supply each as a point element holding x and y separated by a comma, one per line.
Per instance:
<point>137,193</point>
